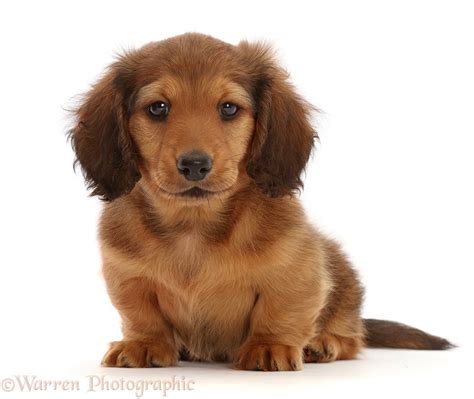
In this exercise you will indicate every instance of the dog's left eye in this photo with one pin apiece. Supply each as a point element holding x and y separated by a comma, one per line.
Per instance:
<point>159,109</point>
<point>228,110</point>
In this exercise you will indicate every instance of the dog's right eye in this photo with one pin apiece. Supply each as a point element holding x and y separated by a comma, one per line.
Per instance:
<point>159,109</point>
<point>228,110</point>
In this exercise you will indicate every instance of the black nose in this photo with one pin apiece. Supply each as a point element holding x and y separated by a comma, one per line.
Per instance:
<point>194,165</point>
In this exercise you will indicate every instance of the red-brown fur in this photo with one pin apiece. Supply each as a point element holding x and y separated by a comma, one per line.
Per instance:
<point>238,274</point>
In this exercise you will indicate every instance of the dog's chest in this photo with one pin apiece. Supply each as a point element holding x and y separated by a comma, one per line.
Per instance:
<point>207,294</point>
<point>187,247</point>
<point>210,315</point>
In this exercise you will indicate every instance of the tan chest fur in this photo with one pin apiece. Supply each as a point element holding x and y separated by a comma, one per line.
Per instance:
<point>205,295</point>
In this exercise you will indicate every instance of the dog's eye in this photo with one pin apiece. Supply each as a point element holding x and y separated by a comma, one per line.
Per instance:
<point>159,109</point>
<point>228,110</point>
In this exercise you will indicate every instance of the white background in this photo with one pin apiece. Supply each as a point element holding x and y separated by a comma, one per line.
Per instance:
<point>392,179</point>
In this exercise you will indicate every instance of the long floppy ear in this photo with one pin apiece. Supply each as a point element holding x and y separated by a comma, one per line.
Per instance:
<point>283,137</point>
<point>100,138</point>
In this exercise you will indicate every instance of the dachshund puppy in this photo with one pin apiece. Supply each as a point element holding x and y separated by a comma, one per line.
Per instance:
<point>196,148</point>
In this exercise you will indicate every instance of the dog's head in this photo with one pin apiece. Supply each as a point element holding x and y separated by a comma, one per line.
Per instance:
<point>191,117</point>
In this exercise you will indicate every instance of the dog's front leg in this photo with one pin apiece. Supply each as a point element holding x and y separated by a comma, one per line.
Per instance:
<point>147,337</point>
<point>281,324</point>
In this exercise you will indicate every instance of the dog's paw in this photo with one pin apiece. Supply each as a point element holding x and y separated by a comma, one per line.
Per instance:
<point>140,354</point>
<point>269,357</point>
<point>327,348</point>
<point>323,353</point>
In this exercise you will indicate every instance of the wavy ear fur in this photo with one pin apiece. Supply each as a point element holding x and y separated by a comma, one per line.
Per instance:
<point>283,138</point>
<point>101,140</point>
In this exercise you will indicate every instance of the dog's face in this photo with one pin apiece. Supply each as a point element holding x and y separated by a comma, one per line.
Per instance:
<point>193,119</point>
<point>192,135</point>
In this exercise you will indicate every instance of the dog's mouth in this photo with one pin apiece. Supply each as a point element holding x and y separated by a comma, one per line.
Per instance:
<point>196,192</point>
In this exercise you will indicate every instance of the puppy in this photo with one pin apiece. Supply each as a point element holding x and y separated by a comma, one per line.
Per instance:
<point>196,147</point>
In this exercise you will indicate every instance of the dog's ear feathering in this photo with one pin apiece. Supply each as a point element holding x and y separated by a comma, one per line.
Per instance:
<point>100,137</point>
<point>284,137</point>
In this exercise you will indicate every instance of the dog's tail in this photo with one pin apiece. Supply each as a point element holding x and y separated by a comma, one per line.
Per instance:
<point>390,334</point>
